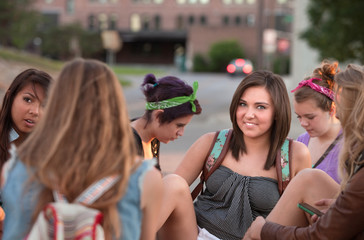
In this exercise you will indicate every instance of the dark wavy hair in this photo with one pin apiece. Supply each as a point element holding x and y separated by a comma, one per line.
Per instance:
<point>282,113</point>
<point>165,88</point>
<point>31,76</point>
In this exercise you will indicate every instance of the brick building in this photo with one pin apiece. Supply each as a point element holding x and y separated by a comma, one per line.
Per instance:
<point>153,31</point>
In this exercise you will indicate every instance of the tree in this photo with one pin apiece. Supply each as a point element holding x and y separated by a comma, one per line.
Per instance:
<point>69,41</point>
<point>221,53</point>
<point>18,22</point>
<point>335,29</point>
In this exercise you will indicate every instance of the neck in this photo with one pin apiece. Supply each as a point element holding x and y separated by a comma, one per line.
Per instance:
<point>143,129</point>
<point>333,131</point>
<point>257,144</point>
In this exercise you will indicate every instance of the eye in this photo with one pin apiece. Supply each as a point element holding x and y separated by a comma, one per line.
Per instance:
<point>261,107</point>
<point>243,104</point>
<point>310,118</point>
<point>28,100</point>
<point>299,117</point>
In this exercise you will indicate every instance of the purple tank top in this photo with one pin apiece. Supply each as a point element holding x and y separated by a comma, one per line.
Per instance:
<point>330,164</point>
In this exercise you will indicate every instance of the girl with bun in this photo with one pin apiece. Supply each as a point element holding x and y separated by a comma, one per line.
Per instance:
<point>315,109</point>
<point>170,106</point>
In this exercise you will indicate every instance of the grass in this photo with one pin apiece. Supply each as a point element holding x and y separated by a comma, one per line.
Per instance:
<point>53,65</point>
<point>31,59</point>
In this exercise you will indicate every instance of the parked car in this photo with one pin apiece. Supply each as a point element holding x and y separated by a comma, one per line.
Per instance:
<point>239,66</point>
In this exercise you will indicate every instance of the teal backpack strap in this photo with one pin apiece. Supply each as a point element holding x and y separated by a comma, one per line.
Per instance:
<point>283,165</point>
<point>217,152</point>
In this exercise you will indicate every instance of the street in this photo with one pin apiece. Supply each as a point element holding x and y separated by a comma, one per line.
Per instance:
<point>214,94</point>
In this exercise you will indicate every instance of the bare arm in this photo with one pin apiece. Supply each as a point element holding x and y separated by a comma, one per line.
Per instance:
<point>301,157</point>
<point>151,200</point>
<point>194,159</point>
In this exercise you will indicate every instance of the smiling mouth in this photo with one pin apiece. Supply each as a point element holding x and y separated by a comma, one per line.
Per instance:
<point>30,121</point>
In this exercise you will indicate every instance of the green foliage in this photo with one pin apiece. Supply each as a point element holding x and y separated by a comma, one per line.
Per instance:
<point>200,64</point>
<point>335,29</point>
<point>68,41</point>
<point>221,53</point>
<point>18,23</point>
<point>30,59</point>
<point>281,65</point>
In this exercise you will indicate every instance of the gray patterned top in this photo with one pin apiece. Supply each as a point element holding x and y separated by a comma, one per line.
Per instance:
<point>231,202</point>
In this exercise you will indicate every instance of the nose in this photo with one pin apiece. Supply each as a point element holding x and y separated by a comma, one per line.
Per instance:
<point>34,109</point>
<point>303,123</point>
<point>250,114</point>
<point>180,132</point>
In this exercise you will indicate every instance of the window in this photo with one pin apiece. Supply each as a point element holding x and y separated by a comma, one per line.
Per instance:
<point>225,20</point>
<point>237,20</point>
<point>158,1</point>
<point>103,25</point>
<point>203,20</point>
<point>91,22</point>
<point>179,22</point>
<point>48,1</point>
<point>157,22</point>
<point>191,20</point>
<point>227,2</point>
<point>146,23</point>
<point>250,20</point>
<point>181,1</point>
<point>204,1</point>
<point>70,6</point>
<point>113,21</point>
<point>135,23</point>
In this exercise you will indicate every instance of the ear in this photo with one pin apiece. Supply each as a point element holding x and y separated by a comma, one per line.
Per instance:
<point>156,114</point>
<point>333,110</point>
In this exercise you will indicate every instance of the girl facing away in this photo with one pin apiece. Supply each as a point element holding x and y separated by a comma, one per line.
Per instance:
<point>84,136</point>
<point>342,205</point>
<point>170,106</point>
<point>22,108</point>
<point>246,184</point>
<point>316,111</point>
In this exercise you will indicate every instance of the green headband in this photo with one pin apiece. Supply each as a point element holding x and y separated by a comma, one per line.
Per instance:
<point>176,101</point>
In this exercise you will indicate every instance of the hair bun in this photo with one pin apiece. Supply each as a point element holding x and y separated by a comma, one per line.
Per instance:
<point>149,79</point>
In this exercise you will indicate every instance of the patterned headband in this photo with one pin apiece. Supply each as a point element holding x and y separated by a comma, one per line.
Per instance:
<point>173,102</point>
<point>323,90</point>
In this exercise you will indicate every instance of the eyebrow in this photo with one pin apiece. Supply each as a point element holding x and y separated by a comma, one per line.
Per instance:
<point>257,103</point>
<point>31,94</point>
<point>306,115</point>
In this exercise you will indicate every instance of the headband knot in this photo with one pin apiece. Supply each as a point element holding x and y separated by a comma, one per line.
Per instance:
<point>176,101</point>
<point>320,89</point>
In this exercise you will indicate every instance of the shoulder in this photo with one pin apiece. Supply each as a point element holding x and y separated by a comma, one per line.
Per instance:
<point>304,137</point>
<point>205,140</point>
<point>301,157</point>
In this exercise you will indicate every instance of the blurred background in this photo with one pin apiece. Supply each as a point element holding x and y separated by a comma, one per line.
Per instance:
<point>214,42</point>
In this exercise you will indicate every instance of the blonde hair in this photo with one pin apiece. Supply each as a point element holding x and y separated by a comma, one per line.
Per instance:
<point>84,136</point>
<point>350,102</point>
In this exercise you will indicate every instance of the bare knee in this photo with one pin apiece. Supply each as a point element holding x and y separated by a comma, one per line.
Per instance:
<point>313,176</point>
<point>176,185</point>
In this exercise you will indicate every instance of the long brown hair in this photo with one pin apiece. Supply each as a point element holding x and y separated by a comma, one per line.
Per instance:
<point>282,113</point>
<point>29,76</point>
<point>83,136</point>
<point>350,84</point>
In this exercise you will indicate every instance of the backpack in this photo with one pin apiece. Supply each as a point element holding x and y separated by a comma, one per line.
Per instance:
<point>218,150</point>
<point>61,220</point>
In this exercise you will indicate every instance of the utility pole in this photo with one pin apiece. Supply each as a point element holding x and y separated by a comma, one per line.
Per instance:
<point>260,29</point>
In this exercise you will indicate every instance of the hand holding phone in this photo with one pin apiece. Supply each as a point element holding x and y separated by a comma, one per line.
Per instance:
<point>310,209</point>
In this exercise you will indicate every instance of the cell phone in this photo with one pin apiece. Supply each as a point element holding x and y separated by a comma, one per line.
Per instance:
<point>310,209</point>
